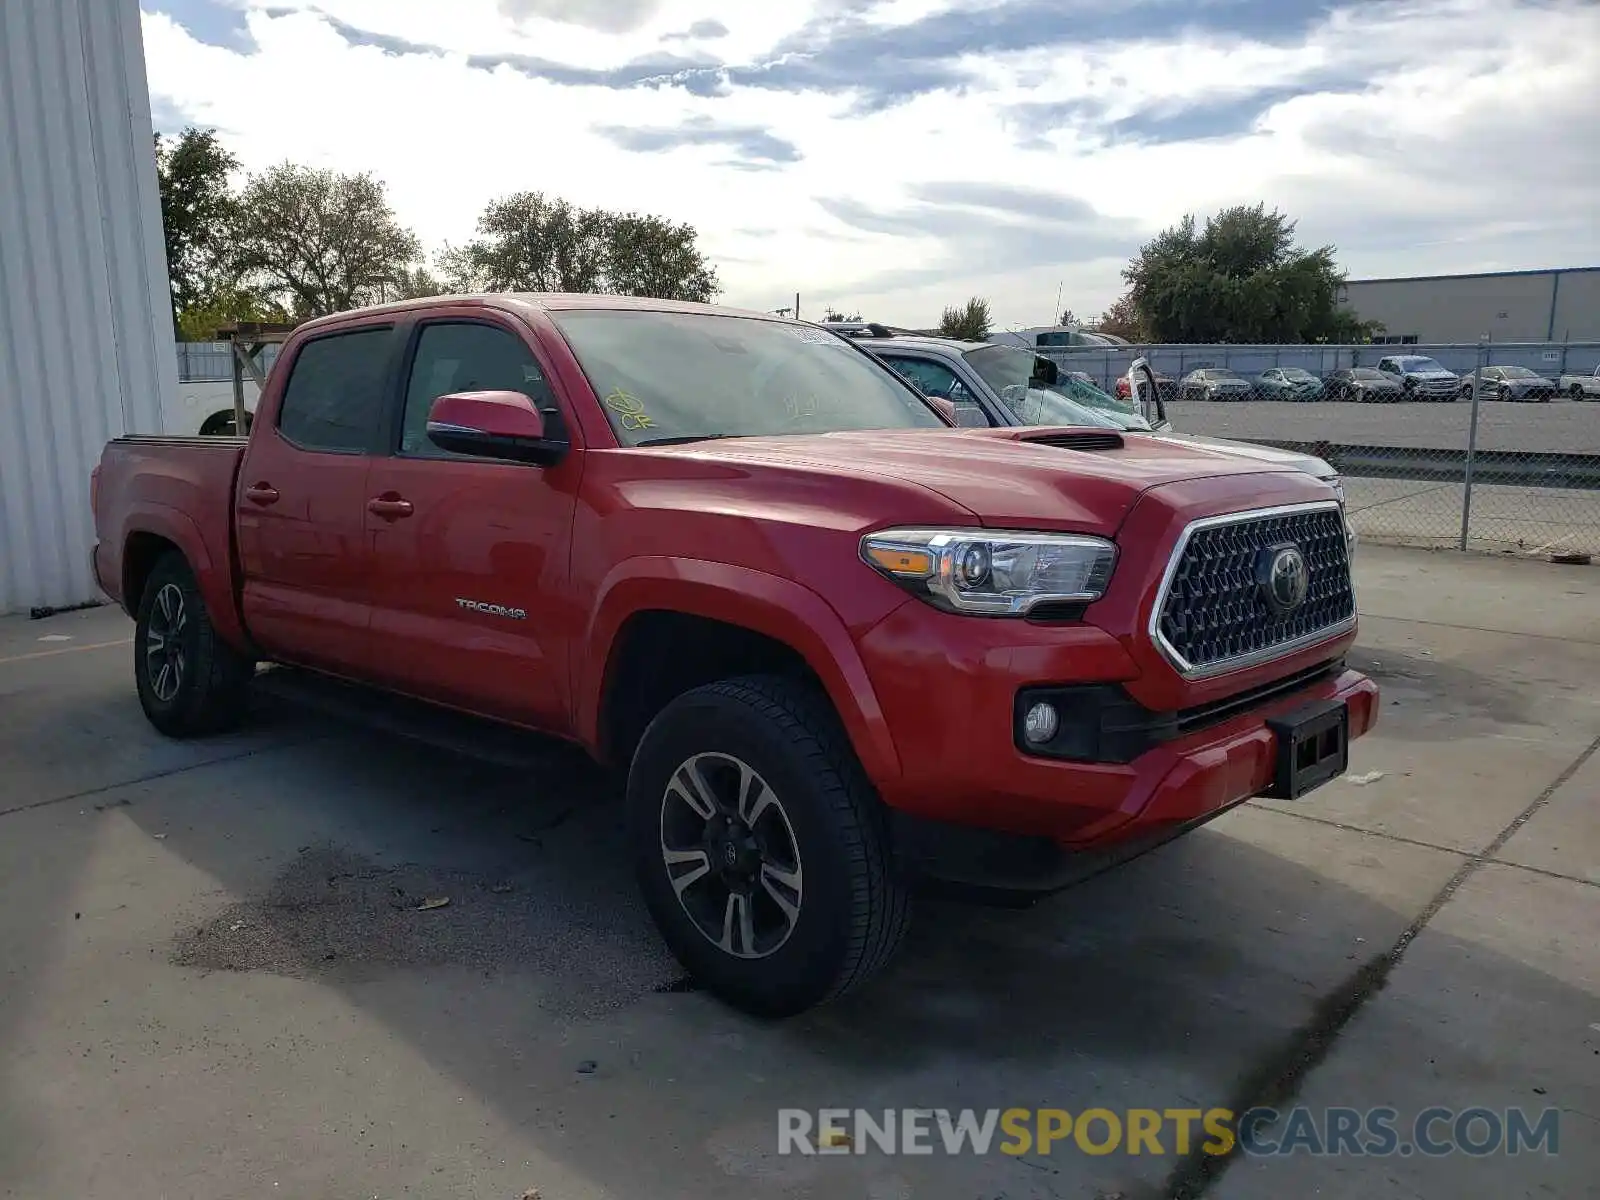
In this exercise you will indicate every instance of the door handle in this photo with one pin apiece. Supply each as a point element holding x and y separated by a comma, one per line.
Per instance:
<point>261,493</point>
<point>390,508</point>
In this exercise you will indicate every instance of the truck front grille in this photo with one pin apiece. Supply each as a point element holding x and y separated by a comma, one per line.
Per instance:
<point>1216,611</point>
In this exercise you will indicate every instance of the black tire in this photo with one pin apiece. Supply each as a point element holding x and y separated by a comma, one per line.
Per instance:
<point>190,681</point>
<point>852,908</point>
<point>1576,391</point>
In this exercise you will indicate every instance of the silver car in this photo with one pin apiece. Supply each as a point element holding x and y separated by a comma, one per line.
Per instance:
<point>1215,383</point>
<point>1510,384</point>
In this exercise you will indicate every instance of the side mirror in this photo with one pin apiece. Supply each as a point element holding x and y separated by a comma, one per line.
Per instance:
<point>1045,371</point>
<point>493,425</point>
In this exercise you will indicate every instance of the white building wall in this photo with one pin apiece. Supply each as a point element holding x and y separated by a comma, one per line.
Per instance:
<point>86,345</point>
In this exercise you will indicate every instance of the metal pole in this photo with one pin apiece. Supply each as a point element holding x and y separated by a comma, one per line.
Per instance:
<point>797,306</point>
<point>1472,440</point>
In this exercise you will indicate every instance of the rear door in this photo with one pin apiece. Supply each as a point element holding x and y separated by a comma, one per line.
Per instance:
<point>469,555</point>
<point>301,504</point>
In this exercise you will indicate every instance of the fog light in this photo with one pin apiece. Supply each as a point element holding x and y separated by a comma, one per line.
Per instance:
<point>1041,723</point>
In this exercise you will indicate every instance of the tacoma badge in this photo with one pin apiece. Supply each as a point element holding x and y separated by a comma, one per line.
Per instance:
<point>493,610</point>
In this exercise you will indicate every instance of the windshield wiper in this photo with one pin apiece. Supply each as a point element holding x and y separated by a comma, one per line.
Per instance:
<point>689,437</point>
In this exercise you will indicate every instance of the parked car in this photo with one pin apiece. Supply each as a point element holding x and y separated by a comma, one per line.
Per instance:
<point>1509,383</point>
<point>1421,378</point>
<point>1166,385</point>
<point>204,408</point>
<point>1288,383</point>
<point>1582,387</point>
<point>1363,384</point>
<point>833,642</point>
<point>992,385</point>
<point>1215,383</point>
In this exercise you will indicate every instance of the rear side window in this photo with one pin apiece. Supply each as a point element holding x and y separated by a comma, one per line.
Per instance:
<point>334,398</point>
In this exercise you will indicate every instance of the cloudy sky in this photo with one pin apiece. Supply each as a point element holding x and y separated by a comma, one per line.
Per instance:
<point>895,156</point>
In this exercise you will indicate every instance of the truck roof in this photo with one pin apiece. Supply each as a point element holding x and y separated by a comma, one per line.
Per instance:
<point>546,301</point>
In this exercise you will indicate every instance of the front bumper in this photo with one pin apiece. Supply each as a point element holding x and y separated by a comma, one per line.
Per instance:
<point>1044,845</point>
<point>948,689</point>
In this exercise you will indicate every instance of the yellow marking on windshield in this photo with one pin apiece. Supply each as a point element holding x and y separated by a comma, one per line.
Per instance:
<point>630,409</point>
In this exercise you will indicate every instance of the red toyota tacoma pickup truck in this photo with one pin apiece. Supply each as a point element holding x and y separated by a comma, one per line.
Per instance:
<point>836,644</point>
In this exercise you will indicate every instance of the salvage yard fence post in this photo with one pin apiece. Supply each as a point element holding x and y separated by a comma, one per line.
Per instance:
<point>1472,440</point>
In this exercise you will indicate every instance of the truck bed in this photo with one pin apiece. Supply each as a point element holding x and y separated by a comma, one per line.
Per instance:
<point>174,491</point>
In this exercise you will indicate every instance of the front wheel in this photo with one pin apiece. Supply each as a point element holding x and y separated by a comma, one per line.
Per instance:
<point>190,681</point>
<point>761,850</point>
<point>1576,391</point>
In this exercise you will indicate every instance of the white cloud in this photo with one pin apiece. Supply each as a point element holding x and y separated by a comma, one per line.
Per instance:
<point>1418,136</point>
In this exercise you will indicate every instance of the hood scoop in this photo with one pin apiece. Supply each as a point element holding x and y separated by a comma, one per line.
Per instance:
<point>1087,440</point>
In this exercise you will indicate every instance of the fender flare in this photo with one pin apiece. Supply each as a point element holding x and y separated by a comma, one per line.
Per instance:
<point>779,608</point>
<point>215,583</point>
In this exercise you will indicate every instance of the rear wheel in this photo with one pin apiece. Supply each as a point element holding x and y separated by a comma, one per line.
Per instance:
<point>190,681</point>
<point>761,850</point>
<point>1576,391</point>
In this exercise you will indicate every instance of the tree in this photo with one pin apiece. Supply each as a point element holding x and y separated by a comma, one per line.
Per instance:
<point>1240,279</point>
<point>651,256</point>
<point>198,213</point>
<point>225,305</point>
<point>416,284</point>
<point>1122,320</point>
<point>969,323</point>
<point>317,241</point>
<point>529,242</point>
<point>1069,320</point>
<point>833,315</point>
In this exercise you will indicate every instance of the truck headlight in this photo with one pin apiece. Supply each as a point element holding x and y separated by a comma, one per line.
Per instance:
<point>992,572</point>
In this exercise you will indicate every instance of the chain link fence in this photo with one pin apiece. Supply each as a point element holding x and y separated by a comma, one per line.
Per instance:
<point>1483,447</point>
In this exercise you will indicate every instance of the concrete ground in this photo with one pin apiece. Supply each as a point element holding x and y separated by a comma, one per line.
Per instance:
<point>218,978</point>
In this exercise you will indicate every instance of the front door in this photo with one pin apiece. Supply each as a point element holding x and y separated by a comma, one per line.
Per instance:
<point>301,504</point>
<point>470,555</point>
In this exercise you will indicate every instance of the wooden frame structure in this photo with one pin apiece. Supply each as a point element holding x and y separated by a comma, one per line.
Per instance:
<point>246,341</point>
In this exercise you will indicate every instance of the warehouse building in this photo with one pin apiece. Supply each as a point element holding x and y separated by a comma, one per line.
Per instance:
<point>86,347</point>
<point>1561,304</point>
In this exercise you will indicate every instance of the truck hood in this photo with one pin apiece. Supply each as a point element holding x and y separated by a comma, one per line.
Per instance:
<point>1287,459</point>
<point>1031,478</point>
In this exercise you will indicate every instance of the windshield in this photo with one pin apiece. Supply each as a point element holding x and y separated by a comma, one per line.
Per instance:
<point>1298,375</point>
<point>672,375</point>
<point>1068,401</point>
<point>1419,364</point>
<point>1516,373</point>
<point>1366,373</point>
<point>1046,406</point>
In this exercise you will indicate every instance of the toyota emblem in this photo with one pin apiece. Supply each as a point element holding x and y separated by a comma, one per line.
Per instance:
<point>1284,578</point>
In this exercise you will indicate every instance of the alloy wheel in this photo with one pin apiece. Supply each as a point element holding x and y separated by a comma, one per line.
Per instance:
<point>731,855</point>
<point>164,658</point>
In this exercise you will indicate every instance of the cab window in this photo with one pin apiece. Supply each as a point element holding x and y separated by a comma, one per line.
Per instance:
<point>465,357</point>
